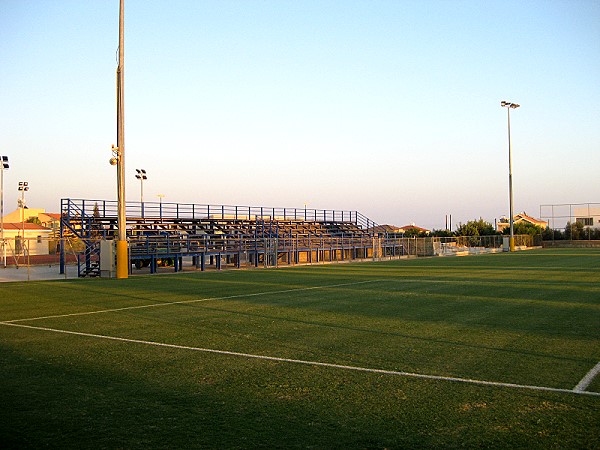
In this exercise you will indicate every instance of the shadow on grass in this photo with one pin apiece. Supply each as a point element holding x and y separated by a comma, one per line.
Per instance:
<point>107,396</point>
<point>68,404</point>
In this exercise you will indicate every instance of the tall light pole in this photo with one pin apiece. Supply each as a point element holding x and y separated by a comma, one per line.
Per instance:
<point>3,166</point>
<point>122,247</point>
<point>141,175</point>
<point>23,187</point>
<point>509,106</point>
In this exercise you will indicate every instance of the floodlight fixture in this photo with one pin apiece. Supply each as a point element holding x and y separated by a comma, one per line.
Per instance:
<point>509,104</point>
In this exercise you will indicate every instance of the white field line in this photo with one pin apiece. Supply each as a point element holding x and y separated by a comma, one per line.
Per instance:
<point>228,297</point>
<point>589,377</point>
<point>310,363</point>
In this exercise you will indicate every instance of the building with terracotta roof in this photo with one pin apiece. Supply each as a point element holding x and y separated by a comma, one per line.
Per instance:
<point>411,229</point>
<point>504,223</point>
<point>26,238</point>
<point>386,229</point>
<point>50,220</point>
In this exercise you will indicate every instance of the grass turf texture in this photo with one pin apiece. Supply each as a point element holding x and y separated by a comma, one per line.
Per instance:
<point>529,318</point>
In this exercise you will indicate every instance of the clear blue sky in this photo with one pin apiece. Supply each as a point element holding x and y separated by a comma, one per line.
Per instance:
<point>391,108</point>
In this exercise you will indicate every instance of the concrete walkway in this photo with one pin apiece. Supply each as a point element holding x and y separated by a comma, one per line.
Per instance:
<point>35,273</point>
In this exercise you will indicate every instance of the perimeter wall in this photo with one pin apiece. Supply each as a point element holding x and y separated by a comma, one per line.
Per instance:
<point>571,244</point>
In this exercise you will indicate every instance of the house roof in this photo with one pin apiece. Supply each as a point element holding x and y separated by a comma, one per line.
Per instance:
<point>533,220</point>
<point>504,222</point>
<point>413,227</point>
<point>27,226</point>
<point>394,229</point>
<point>386,229</point>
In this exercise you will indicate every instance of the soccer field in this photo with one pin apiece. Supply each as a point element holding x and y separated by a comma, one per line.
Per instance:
<point>496,351</point>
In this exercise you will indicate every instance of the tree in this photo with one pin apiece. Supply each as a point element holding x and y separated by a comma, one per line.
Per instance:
<point>412,232</point>
<point>574,231</point>
<point>577,231</point>
<point>34,220</point>
<point>524,228</point>
<point>476,228</point>
<point>552,235</point>
<point>441,233</point>
<point>96,227</point>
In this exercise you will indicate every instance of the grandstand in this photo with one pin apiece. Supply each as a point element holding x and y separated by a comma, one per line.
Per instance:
<point>218,235</point>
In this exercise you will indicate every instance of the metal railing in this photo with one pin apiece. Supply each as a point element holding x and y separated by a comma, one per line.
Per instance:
<point>158,210</point>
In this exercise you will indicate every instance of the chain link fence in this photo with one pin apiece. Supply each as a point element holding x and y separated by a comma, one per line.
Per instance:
<point>572,221</point>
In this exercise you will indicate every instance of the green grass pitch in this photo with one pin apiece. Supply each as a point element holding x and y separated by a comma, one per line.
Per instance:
<point>327,356</point>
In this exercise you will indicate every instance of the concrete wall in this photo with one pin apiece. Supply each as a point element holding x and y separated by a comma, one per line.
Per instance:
<point>571,244</point>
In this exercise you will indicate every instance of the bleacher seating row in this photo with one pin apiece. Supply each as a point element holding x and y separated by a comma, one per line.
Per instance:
<point>262,237</point>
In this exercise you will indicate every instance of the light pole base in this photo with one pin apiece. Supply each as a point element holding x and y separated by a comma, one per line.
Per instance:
<point>512,244</point>
<point>122,259</point>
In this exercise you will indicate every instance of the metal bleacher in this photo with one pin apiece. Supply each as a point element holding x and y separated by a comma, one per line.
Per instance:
<point>216,235</point>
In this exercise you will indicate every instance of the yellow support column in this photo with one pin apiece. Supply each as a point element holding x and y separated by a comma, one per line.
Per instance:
<point>122,259</point>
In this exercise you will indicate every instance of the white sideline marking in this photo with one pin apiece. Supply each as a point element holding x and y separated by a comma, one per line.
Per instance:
<point>586,381</point>
<point>310,363</point>
<point>152,305</point>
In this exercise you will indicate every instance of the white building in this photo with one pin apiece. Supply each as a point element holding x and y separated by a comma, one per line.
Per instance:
<point>22,237</point>
<point>36,239</point>
<point>588,216</point>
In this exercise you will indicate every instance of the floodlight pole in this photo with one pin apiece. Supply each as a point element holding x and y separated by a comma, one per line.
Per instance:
<point>141,175</point>
<point>122,247</point>
<point>3,165</point>
<point>509,106</point>
<point>142,178</point>
<point>23,187</point>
